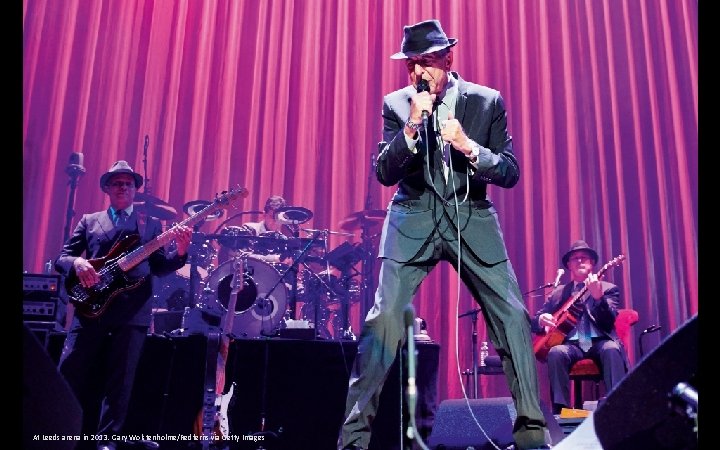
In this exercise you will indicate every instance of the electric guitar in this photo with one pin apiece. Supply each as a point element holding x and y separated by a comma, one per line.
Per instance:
<point>567,316</point>
<point>124,255</point>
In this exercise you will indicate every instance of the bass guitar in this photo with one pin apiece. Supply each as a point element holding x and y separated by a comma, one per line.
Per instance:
<point>567,316</point>
<point>124,255</point>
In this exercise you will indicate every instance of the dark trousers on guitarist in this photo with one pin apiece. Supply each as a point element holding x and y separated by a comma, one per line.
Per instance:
<point>98,353</point>
<point>604,351</point>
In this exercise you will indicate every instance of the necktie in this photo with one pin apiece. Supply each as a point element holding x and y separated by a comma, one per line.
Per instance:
<point>120,218</point>
<point>443,148</point>
<point>583,329</point>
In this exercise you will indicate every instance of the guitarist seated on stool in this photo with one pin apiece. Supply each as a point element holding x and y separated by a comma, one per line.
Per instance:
<point>109,341</point>
<point>594,335</point>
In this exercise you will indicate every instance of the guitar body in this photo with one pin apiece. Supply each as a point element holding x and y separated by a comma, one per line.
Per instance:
<point>223,403</point>
<point>565,325</point>
<point>92,301</point>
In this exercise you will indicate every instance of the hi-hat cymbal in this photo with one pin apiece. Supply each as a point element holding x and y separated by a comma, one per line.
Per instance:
<point>367,217</point>
<point>313,230</point>
<point>196,206</point>
<point>293,215</point>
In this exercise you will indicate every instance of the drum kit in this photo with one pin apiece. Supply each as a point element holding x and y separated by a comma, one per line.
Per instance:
<point>284,277</point>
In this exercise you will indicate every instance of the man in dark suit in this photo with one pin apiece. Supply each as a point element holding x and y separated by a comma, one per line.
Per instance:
<point>110,343</point>
<point>594,336</point>
<point>445,139</point>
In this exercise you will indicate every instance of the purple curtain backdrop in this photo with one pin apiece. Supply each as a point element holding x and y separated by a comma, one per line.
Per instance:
<point>284,97</point>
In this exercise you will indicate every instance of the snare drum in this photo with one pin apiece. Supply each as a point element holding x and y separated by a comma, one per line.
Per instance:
<point>255,315</point>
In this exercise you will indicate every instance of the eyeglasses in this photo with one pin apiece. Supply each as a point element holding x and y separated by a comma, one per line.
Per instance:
<point>580,259</point>
<point>119,184</point>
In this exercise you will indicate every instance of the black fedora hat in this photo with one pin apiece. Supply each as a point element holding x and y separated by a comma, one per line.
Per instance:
<point>423,37</point>
<point>120,167</point>
<point>577,246</point>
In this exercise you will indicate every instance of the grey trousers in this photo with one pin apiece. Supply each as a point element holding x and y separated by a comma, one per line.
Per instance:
<point>496,289</point>
<point>560,359</point>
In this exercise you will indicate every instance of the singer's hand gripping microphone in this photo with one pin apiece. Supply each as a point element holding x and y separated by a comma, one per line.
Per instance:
<point>423,86</point>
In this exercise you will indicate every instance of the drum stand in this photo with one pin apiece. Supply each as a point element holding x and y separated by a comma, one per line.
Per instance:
<point>263,303</point>
<point>313,294</point>
<point>195,242</point>
<point>346,276</point>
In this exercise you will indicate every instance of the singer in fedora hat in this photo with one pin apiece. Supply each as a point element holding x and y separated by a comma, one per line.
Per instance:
<point>445,141</point>
<point>111,343</point>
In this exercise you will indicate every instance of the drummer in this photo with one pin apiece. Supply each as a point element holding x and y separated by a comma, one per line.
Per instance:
<point>272,250</point>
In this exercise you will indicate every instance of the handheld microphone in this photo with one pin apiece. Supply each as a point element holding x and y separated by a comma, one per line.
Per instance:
<point>423,86</point>
<point>559,274</point>
<point>411,387</point>
<point>651,329</point>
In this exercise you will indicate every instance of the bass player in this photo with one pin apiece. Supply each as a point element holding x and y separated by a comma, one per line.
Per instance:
<point>110,343</point>
<point>594,336</point>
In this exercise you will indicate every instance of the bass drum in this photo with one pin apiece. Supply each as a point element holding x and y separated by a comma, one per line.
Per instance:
<point>255,316</point>
<point>172,291</point>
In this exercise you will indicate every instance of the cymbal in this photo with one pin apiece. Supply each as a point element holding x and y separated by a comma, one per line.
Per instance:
<point>367,217</point>
<point>293,215</point>
<point>345,255</point>
<point>162,210</point>
<point>312,230</point>
<point>196,206</point>
<point>143,197</point>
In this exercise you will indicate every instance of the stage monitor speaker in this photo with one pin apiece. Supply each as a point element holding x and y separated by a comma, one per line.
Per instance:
<point>51,413</point>
<point>455,428</point>
<point>637,413</point>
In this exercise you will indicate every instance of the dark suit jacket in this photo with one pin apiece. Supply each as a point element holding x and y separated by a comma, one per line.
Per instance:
<point>416,210</point>
<point>602,313</point>
<point>94,236</point>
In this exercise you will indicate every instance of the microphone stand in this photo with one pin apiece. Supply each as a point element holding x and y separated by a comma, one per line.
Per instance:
<point>650,329</point>
<point>473,319</point>
<point>544,286</point>
<point>75,171</point>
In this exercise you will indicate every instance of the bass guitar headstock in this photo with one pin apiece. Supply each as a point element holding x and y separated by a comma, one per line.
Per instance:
<point>616,261</point>
<point>226,198</point>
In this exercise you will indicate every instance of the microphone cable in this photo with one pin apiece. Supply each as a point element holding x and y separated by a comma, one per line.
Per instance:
<point>451,176</point>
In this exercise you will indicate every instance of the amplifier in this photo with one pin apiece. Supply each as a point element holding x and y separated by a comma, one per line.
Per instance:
<point>41,282</point>
<point>40,297</point>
